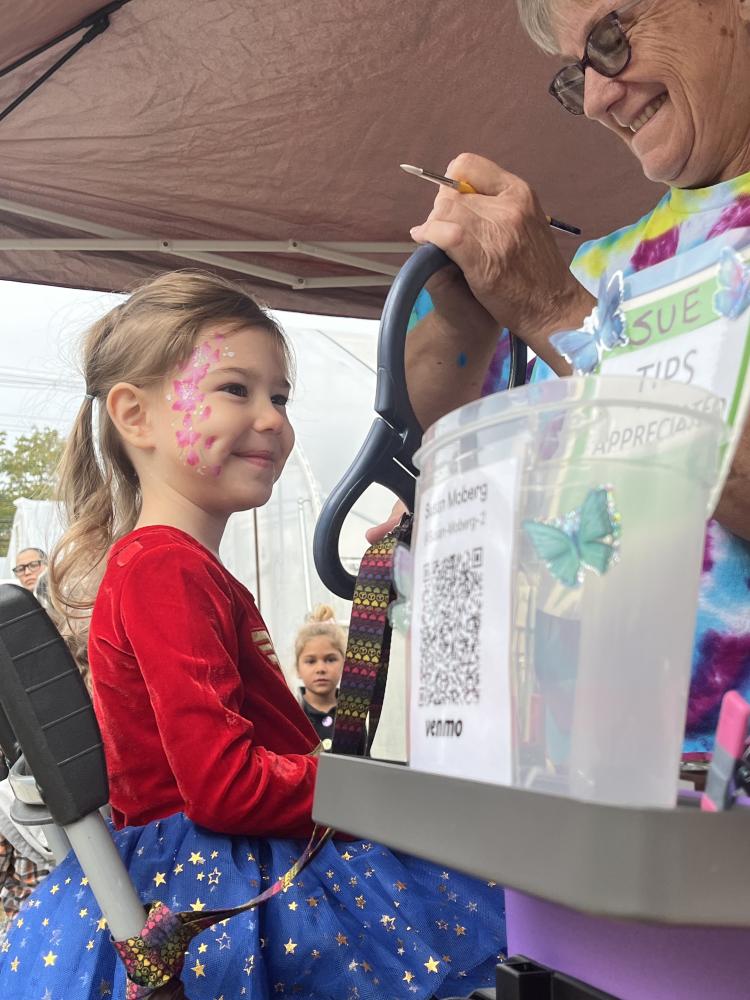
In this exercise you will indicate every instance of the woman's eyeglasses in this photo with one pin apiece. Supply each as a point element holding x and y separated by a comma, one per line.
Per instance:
<point>22,568</point>
<point>607,50</point>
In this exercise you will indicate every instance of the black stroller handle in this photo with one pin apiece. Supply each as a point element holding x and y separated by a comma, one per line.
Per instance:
<point>386,457</point>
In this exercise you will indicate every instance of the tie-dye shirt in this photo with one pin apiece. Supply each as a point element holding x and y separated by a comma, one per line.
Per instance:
<point>682,220</point>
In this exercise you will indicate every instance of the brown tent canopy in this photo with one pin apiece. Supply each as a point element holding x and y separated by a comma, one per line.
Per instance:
<point>264,137</point>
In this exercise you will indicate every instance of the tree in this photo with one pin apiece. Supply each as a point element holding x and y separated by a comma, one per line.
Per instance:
<point>27,469</point>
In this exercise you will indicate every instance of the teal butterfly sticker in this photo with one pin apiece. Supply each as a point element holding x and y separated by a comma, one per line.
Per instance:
<point>587,538</point>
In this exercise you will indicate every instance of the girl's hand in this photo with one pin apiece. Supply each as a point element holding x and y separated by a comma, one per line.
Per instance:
<point>501,240</point>
<point>381,530</point>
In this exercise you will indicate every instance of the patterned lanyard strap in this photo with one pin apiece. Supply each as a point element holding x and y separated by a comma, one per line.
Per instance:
<point>156,957</point>
<point>365,672</point>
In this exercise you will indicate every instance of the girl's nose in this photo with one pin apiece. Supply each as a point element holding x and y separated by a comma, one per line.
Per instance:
<point>599,94</point>
<point>270,417</point>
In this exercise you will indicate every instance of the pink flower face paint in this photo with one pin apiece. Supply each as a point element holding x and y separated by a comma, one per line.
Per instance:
<point>187,400</point>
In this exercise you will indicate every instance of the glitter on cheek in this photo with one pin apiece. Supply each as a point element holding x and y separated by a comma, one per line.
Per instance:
<point>187,438</point>
<point>187,398</point>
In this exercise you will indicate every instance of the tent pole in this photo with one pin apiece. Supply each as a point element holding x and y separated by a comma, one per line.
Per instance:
<point>120,239</point>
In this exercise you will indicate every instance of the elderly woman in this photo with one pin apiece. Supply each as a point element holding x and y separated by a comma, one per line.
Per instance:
<point>672,80</point>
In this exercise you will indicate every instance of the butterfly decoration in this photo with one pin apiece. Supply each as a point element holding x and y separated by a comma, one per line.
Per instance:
<point>732,296</point>
<point>587,538</point>
<point>399,612</point>
<point>603,330</point>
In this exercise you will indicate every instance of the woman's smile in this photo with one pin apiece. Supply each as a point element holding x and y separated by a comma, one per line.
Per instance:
<point>648,113</point>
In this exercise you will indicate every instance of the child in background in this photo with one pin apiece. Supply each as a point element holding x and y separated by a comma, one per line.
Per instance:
<point>211,760</point>
<point>319,654</point>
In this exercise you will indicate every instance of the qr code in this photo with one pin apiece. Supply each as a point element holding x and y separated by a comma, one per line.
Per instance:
<point>450,622</point>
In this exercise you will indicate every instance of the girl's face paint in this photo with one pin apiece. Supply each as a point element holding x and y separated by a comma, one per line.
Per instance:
<point>223,414</point>
<point>187,399</point>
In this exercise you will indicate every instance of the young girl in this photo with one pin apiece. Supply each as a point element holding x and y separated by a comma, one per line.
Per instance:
<point>211,760</point>
<point>319,654</point>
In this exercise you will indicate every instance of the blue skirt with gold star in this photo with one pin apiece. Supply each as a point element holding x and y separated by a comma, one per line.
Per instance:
<point>360,923</point>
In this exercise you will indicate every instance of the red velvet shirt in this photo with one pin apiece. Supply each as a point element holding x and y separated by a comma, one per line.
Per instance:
<point>195,714</point>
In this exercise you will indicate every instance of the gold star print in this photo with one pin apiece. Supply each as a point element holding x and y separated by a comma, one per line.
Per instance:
<point>471,907</point>
<point>196,858</point>
<point>289,947</point>
<point>200,876</point>
<point>177,869</point>
<point>14,964</point>
<point>447,959</point>
<point>388,922</point>
<point>445,876</point>
<point>336,887</point>
<point>360,901</point>
<point>19,922</point>
<point>83,913</point>
<point>292,906</point>
<point>50,958</point>
<point>353,880</point>
<point>89,945</point>
<point>432,964</point>
<point>369,873</point>
<point>347,856</point>
<point>366,967</point>
<point>68,880</point>
<point>101,924</point>
<point>55,888</point>
<point>442,925</point>
<point>5,946</point>
<point>202,948</point>
<point>251,856</point>
<point>342,939</point>
<point>198,969</point>
<point>312,901</point>
<point>105,990</point>
<point>214,876</point>
<point>214,854</point>
<point>197,905</point>
<point>45,922</point>
<point>160,878</point>
<point>330,874</point>
<point>460,931</point>
<point>400,886</point>
<point>408,976</point>
<point>353,965</point>
<point>84,881</point>
<point>315,953</point>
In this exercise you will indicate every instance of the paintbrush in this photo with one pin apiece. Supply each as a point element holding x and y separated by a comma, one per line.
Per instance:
<point>463,187</point>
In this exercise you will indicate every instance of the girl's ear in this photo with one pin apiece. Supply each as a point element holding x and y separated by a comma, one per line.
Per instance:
<point>127,406</point>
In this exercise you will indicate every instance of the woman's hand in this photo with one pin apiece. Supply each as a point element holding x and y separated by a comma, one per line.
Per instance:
<point>501,240</point>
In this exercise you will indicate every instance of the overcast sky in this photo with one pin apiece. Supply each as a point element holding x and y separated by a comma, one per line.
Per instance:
<point>40,384</point>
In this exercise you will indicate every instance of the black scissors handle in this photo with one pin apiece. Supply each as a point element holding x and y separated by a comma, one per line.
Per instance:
<point>387,455</point>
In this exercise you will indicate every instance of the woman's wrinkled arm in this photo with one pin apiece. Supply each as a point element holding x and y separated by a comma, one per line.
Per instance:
<point>515,277</point>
